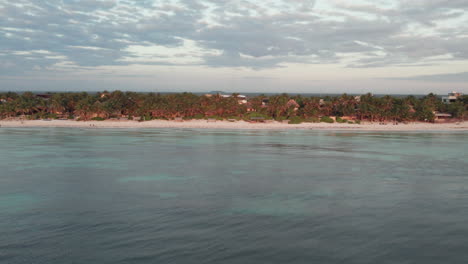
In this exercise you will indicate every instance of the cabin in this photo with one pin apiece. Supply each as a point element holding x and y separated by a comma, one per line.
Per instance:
<point>250,107</point>
<point>451,98</point>
<point>441,117</point>
<point>241,99</point>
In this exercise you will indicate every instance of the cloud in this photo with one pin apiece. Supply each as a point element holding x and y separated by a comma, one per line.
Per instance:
<point>461,77</point>
<point>241,33</point>
<point>105,27</point>
<point>259,78</point>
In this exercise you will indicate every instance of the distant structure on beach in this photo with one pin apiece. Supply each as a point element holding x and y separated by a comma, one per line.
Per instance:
<point>438,117</point>
<point>451,98</point>
<point>241,99</point>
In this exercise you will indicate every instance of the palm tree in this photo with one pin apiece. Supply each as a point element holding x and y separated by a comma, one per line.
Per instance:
<point>86,107</point>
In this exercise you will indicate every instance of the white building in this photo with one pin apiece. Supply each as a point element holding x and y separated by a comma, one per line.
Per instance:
<point>451,98</point>
<point>241,99</point>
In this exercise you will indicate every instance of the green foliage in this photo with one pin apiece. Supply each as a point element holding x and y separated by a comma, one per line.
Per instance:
<point>341,120</point>
<point>296,108</point>
<point>234,117</point>
<point>50,116</point>
<point>247,117</point>
<point>147,117</point>
<point>456,109</point>
<point>199,116</point>
<point>296,120</point>
<point>312,120</point>
<point>326,119</point>
<point>463,99</point>
<point>281,118</point>
<point>215,117</point>
<point>357,122</point>
<point>350,122</point>
<point>98,118</point>
<point>257,114</point>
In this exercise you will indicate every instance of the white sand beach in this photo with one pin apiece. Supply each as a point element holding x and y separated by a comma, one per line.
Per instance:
<point>460,126</point>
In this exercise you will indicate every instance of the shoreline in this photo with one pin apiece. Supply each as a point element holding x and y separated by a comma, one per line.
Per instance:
<point>242,125</point>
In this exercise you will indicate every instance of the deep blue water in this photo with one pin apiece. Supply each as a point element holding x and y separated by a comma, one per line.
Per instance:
<point>201,196</point>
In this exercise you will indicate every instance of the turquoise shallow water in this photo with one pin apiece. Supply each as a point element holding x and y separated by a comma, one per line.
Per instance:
<point>202,196</point>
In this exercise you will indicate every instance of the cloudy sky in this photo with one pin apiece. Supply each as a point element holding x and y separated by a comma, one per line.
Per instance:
<point>322,46</point>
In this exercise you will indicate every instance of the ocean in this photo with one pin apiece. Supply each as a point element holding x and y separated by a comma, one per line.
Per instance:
<point>71,195</point>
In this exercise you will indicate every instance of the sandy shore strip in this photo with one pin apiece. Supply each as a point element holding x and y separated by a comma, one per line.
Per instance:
<point>461,126</point>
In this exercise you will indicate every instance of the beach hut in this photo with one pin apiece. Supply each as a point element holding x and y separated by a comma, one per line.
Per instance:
<point>441,117</point>
<point>250,107</point>
<point>241,99</point>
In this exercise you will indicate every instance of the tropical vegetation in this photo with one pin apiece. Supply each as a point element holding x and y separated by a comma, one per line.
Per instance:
<point>147,106</point>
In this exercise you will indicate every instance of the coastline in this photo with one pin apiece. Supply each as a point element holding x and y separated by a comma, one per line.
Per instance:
<point>203,124</point>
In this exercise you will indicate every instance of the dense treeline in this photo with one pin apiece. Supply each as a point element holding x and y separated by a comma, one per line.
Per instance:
<point>147,106</point>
